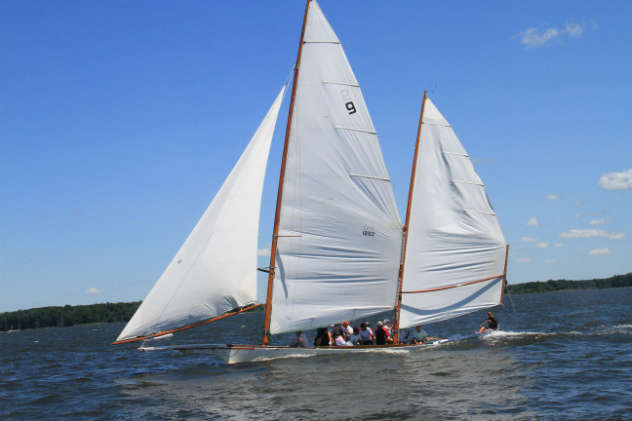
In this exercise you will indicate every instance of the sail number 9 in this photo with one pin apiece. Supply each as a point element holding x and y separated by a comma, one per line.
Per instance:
<point>349,105</point>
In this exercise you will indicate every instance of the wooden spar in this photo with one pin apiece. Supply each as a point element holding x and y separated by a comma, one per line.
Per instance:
<point>277,215</point>
<point>459,285</point>
<point>202,323</point>
<point>400,277</point>
<point>502,291</point>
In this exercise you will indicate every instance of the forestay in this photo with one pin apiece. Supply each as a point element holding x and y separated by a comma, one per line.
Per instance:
<point>340,234</point>
<point>215,269</point>
<point>455,250</point>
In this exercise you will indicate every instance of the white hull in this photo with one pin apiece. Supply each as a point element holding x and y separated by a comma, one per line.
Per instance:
<point>234,354</point>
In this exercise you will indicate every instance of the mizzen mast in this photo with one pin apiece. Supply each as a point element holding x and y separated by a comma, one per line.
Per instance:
<point>405,228</point>
<point>277,215</point>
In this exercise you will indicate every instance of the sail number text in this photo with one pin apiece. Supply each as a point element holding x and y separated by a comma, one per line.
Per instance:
<point>349,105</point>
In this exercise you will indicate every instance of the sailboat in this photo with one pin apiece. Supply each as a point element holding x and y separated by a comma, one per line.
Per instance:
<point>339,250</point>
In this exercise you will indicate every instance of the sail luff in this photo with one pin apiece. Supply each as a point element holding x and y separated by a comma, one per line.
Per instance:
<point>398,306</point>
<point>277,214</point>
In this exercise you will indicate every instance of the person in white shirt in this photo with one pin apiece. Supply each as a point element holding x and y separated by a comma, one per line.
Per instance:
<point>354,338</point>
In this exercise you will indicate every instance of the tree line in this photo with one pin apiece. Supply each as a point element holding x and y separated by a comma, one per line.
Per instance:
<point>122,312</point>
<point>616,281</point>
<point>67,315</point>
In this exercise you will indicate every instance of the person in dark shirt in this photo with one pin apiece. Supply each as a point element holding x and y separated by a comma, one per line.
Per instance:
<point>490,324</point>
<point>323,337</point>
<point>381,334</point>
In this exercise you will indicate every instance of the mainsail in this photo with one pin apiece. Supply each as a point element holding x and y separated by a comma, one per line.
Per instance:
<point>215,269</point>
<point>339,238</point>
<point>455,253</point>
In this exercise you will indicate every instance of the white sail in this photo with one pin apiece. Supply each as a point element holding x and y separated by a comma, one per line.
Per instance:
<point>340,234</point>
<point>455,250</point>
<point>215,269</point>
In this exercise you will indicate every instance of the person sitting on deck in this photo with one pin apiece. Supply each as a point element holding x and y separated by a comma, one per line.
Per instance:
<point>366,335</point>
<point>323,337</point>
<point>418,335</point>
<point>492,323</point>
<point>299,341</point>
<point>354,338</point>
<point>346,326</point>
<point>389,331</point>
<point>381,335</point>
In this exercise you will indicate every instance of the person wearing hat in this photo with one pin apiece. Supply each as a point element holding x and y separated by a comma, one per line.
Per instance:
<point>346,326</point>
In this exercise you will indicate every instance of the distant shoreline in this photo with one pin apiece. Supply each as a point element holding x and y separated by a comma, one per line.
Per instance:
<point>616,281</point>
<point>67,315</point>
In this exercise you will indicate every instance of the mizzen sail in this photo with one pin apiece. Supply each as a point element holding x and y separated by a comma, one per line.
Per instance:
<point>214,271</point>
<point>339,238</point>
<point>455,254</point>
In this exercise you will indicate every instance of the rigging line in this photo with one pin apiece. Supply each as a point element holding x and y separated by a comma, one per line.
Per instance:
<point>461,284</point>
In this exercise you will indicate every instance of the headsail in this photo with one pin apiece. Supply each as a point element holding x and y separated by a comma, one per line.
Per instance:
<point>215,269</point>
<point>455,252</point>
<point>339,237</point>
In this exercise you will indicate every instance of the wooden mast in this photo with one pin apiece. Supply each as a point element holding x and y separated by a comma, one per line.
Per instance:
<point>405,228</point>
<point>277,215</point>
<point>502,291</point>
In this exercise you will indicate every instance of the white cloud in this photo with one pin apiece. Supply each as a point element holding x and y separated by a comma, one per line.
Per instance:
<point>574,30</point>
<point>558,244</point>
<point>263,252</point>
<point>534,37</point>
<point>542,245</point>
<point>596,252</point>
<point>552,197</point>
<point>616,180</point>
<point>524,260</point>
<point>528,239</point>
<point>599,221</point>
<point>591,233</point>
<point>533,222</point>
<point>93,291</point>
<point>550,260</point>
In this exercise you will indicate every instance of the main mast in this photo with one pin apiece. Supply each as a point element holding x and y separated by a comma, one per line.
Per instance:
<point>405,228</point>
<point>277,215</point>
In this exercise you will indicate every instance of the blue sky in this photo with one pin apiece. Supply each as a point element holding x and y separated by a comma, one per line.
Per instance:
<point>120,120</point>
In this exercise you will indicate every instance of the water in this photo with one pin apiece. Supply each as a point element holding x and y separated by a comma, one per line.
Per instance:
<point>560,356</point>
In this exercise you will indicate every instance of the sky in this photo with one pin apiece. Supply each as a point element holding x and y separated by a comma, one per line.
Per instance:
<point>120,120</point>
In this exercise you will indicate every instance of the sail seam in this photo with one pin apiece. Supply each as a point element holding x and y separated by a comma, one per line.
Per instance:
<point>456,153</point>
<point>459,285</point>
<point>330,82</point>
<point>468,182</point>
<point>355,130</point>
<point>371,177</point>
<point>437,124</point>
<point>479,211</point>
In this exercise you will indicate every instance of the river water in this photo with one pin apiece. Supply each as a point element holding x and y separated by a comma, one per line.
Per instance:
<point>558,356</point>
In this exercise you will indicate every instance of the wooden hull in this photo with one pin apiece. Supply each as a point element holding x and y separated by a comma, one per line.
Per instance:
<point>234,354</point>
